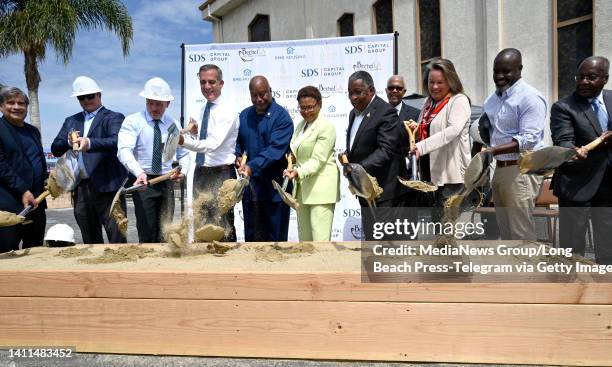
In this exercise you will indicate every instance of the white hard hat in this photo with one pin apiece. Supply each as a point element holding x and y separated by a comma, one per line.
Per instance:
<point>83,85</point>
<point>60,232</point>
<point>157,89</point>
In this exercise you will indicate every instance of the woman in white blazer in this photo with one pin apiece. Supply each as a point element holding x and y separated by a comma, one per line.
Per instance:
<point>443,146</point>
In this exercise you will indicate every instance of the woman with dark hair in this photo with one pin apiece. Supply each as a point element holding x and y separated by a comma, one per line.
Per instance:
<point>316,174</point>
<point>443,146</point>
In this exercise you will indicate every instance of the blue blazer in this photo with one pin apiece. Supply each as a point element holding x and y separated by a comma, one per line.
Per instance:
<point>16,172</point>
<point>266,144</point>
<point>104,169</point>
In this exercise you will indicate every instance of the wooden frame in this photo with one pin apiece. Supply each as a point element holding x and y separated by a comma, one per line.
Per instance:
<point>306,315</point>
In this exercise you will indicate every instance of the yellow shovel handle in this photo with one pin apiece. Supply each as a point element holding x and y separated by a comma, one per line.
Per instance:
<point>594,144</point>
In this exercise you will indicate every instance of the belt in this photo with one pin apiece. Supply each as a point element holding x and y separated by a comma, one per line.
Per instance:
<point>507,163</point>
<point>225,167</point>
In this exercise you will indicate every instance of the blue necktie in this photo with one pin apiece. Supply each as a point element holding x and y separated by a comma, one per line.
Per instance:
<point>203,132</point>
<point>602,116</point>
<point>157,149</point>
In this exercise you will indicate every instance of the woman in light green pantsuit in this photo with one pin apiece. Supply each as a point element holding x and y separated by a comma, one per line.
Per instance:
<point>316,175</point>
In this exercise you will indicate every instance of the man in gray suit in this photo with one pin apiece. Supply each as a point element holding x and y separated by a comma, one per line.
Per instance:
<point>584,185</point>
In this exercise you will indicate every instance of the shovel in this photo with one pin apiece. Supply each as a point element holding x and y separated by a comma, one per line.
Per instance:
<point>415,183</point>
<point>543,161</point>
<point>360,183</point>
<point>61,179</point>
<point>116,211</point>
<point>171,143</point>
<point>287,197</point>
<point>242,181</point>
<point>477,172</point>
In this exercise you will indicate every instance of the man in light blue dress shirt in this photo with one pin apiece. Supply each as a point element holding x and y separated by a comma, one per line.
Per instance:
<point>140,150</point>
<point>517,112</point>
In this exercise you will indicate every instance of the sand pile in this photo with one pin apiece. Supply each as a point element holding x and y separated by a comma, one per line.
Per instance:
<point>227,196</point>
<point>209,233</point>
<point>276,252</point>
<point>121,254</point>
<point>74,252</point>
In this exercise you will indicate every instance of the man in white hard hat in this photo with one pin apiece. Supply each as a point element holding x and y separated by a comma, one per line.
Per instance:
<point>100,173</point>
<point>215,142</point>
<point>140,150</point>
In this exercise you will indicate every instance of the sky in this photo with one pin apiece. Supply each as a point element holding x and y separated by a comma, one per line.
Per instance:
<point>160,26</point>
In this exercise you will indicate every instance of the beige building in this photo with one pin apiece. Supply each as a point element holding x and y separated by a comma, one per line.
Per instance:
<point>553,35</point>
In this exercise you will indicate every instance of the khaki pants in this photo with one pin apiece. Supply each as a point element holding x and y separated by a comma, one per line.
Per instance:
<point>315,221</point>
<point>514,195</point>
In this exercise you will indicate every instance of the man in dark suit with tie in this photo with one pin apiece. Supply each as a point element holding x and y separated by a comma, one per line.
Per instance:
<point>23,171</point>
<point>373,141</point>
<point>584,185</point>
<point>100,172</point>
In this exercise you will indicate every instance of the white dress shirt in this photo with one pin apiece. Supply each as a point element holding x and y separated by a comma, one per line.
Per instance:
<point>219,146</point>
<point>356,123</point>
<point>135,143</point>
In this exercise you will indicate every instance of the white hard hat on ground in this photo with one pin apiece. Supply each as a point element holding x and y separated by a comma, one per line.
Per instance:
<point>60,232</point>
<point>83,85</point>
<point>157,89</point>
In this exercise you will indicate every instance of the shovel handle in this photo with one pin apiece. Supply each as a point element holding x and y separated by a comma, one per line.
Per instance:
<point>289,161</point>
<point>165,176</point>
<point>411,132</point>
<point>594,144</point>
<point>39,200</point>
<point>343,159</point>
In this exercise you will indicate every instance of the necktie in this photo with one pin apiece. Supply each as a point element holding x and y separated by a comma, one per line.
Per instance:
<point>203,132</point>
<point>602,116</point>
<point>157,149</point>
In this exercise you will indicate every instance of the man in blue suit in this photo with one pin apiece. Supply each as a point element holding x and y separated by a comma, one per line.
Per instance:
<point>23,171</point>
<point>100,172</point>
<point>264,134</point>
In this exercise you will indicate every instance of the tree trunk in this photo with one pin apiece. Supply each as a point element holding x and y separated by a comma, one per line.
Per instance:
<point>32,81</point>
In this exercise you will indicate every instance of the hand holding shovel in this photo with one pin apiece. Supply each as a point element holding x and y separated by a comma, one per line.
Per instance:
<point>116,211</point>
<point>287,198</point>
<point>415,183</point>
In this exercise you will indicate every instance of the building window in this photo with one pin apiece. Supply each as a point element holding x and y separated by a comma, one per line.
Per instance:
<point>573,41</point>
<point>259,29</point>
<point>430,44</point>
<point>383,16</point>
<point>346,25</point>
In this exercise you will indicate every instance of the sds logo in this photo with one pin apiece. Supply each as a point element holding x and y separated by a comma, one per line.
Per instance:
<point>310,72</point>
<point>197,57</point>
<point>349,50</point>
<point>276,94</point>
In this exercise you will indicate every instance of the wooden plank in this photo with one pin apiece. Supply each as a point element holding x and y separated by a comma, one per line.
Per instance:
<point>317,286</point>
<point>474,333</point>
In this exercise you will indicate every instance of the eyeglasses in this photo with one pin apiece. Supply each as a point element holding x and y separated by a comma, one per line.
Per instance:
<point>395,88</point>
<point>307,108</point>
<point>590,78</point>
<point>87,96</point>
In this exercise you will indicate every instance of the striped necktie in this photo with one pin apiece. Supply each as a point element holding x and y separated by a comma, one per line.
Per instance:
<point>203,132</point>
<point>157,149</point>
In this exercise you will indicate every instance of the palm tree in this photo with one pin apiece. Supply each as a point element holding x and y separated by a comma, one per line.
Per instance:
<point>28,26</point>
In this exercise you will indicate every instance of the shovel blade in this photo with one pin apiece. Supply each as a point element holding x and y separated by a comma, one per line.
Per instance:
<point>285,196</point>
<point>171,143</point>
<point>545,160</point>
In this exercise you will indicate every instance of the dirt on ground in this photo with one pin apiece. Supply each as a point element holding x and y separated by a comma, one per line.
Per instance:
<point>121,254</point>
<point>74,252</point>
<point>276,252</point>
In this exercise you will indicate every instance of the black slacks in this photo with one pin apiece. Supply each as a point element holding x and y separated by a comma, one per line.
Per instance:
<point>154,208</point>
<point>574,219</point>
<point>210,179</point>
<point>91,211</point>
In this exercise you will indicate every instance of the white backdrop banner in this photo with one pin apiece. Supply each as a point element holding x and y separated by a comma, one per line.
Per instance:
<point>290,65</point>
